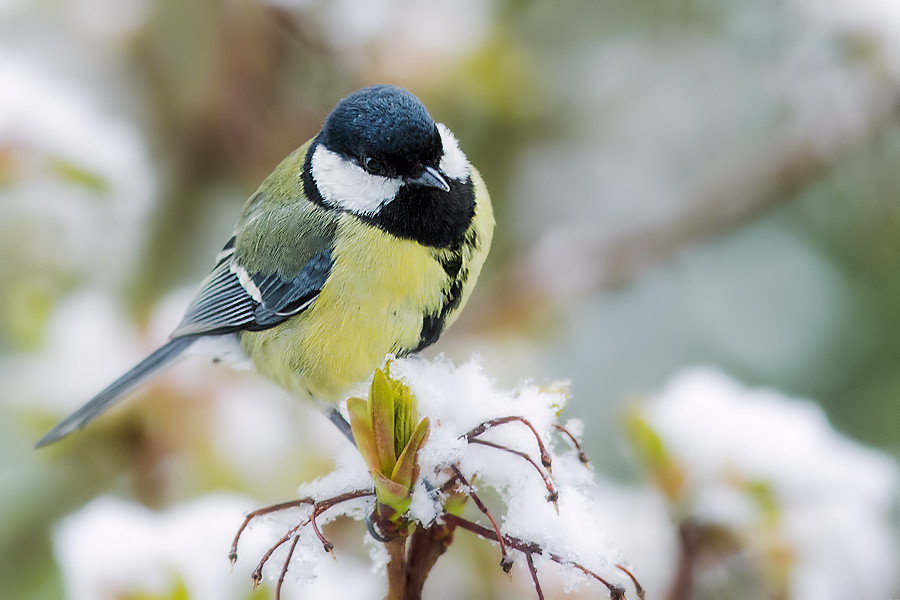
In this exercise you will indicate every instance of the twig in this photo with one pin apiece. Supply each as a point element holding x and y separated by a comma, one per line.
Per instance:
<point>525,547</point>
<point>324,505</point>
<point>232,555</point>
<point>451,483</point>
<point>534,576</point>
<point>545,456</point>
<point>637,586</point>
<point>506,562</point>
<point>318,508</point>
<point>396,569</point>
<point>582,456</point>
<point>425,547</point>
<point>615,592</point>
<point>257,573</point>
<point>284,568</point>
<point>552,494</point>
<point>491,534</point>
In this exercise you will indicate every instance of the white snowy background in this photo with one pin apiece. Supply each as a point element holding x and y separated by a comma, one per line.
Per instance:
<point>697,228</point>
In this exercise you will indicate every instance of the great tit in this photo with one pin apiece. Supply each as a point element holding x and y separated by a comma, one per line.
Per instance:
<point>364,242</point>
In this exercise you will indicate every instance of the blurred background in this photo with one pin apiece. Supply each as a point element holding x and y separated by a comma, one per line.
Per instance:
<point>676,182</point>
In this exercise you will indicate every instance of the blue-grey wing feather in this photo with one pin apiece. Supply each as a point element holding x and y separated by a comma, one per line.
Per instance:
<point>283,298</point>
<point>230,299</point>
<point>223,305</point>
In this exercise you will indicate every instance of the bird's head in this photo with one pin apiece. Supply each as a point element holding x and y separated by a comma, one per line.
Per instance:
<point>378,144</point>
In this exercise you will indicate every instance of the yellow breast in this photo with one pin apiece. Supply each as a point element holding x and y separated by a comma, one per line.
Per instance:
<point>372,304</point>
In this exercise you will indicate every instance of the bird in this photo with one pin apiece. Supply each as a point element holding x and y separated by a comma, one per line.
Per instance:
<point>363,243</point>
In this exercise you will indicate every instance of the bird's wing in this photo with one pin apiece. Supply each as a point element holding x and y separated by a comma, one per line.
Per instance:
<point>232,299</point>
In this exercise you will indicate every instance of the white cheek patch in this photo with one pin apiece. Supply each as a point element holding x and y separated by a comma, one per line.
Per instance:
<point>344,184</point>
<point>454,163</point>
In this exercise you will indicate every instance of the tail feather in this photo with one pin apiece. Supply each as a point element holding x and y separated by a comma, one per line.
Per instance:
<point>118,389</point>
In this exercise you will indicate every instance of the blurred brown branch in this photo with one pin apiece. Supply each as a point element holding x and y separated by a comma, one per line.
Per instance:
<point>567,265</point>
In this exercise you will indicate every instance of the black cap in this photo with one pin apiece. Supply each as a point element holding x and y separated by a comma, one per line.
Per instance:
<point>385,122</point>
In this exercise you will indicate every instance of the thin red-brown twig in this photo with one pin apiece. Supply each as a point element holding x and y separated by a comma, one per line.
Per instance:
<point>450,484</point>
<point>545,456</point>
<point>284,568</point>
<point>318,509</point>
<point>615,592</point>
<point>534,575</point>
<point>506,562</point>
<point>232,555</point>
<point>637,586</point>
<point>490,534</point>
<point>552,494</point>
<point>324,505</point>
<point>582,456</point>
<point>256,575</point>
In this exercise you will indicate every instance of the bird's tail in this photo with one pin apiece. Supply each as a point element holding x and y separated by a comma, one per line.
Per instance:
<point>118,389</point>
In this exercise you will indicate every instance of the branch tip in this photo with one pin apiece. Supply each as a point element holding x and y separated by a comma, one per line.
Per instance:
<point>548,483</point>
<point>545,456</point>
<point>317,509</point>
<point>582,456</point>
<point>232,554</point>
<point>642,594</point>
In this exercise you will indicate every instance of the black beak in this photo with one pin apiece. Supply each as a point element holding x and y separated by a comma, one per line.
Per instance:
<point>430,177</point>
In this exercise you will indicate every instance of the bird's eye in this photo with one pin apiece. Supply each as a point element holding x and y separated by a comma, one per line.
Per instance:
<point>374,166</point>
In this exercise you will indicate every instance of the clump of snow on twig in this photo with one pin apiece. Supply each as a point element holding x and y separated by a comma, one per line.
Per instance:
<point>309,561</point>
<point>459,398</point>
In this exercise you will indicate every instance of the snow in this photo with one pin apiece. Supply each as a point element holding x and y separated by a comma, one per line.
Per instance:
<point>834,497</point>
<point>456,399</point>
<point>112,548</point>
<point>713,424</point>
